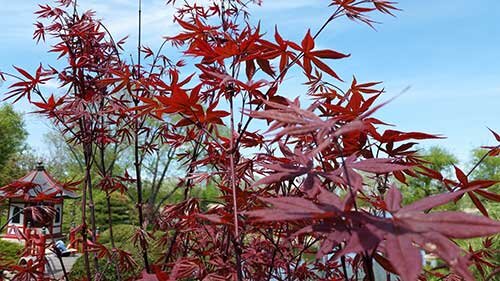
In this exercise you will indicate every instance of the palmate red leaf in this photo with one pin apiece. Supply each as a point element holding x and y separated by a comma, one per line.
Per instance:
<point>435,243</point>
<point>147,51</point>
<point>386,7</point>
<point>432,201</point>
<point>384,263</point>
<point>478,204</point>
<point>98,248</point>
<point>480,184</point>
<point>404,257</point>
<point>290,208</point>
<point>310,56</point>
<point>308,42</point>
<point>311,185</point>
<point>432,232</point>
<point>145,276</point>
<point>495,134</point>
<point>61,48</point>
<point>213,116</point>
<point>325,68</point>
<point>298,130</point>
<point>365,88</point>
<point>49,106</point>
<point>355,182</point>
<point>493,151</point>
<point>489,195</point>
<point>433,174</point>
<point>41,214</point>
<point>249,69</point>
<point>331,241</point>
<point>24,73</point>
<point>358,241</point>
<point>266,67</point>
<point>39,33</point>
<point>378,165</point>
<point>393,199</point>
<point>395,136</point>
<point>451,224</point>
<point>125,259</point>
<point>47,197</point>
<point>27,272</point>
<point>294,164</point>
<point>46,11</point>
<point>141,237</point>
<point>328,54</point>
<point>158,275</point>
<point>461,176</point>
<point>184,268</point>
<point>216,219</point>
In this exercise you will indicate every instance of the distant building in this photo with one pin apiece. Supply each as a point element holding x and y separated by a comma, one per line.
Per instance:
<point>41,189</point>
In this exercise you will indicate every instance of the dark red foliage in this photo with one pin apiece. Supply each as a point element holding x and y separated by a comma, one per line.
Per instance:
<point>319,181</point>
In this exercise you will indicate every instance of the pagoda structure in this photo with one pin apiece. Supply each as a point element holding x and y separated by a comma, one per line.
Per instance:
<point>39,190</point>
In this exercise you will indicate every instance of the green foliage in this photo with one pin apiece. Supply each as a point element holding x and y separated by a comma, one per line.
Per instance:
<point>12,143</point>
<point>477,245</point>
<point>122,209</point>
<point>12,133</point>
<point>9,251</point>
<point>15,158</point>
<point>438,159</point>
<point>441,160</point>
<point>65,163</point>
<point>489,168</point>
<point>122,234</point>
<point>208,194</point>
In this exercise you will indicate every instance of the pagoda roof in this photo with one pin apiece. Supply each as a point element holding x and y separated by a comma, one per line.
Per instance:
<point>43,183</point>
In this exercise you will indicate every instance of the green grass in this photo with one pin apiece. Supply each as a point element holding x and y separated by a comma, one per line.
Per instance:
<point>9,251</point>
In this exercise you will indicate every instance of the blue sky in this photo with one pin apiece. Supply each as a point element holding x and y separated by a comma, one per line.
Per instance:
<point>446,51</point>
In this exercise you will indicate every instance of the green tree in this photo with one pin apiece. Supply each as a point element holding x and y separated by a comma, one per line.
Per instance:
<point>65,163</point>
<point>489,168</point>
<point>15,159</point>
<point>438,159</point>
<point>12,140</point>
<point>123,209</point>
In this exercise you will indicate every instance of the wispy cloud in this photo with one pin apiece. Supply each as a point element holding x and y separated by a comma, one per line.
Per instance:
<point>273,5</point>
<point>121,17</point>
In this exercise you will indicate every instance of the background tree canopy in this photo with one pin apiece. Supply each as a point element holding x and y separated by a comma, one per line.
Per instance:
<point>439,159</point>
<point>12,135</point>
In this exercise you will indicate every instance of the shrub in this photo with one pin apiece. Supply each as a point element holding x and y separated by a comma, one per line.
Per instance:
<point>122,234</point>
<point>9,251</point>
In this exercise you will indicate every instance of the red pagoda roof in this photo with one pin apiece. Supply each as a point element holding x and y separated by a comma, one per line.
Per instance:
<point>43,183</point>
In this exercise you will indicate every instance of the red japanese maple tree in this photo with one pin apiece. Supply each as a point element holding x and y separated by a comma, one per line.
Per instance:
<point>312,195</point>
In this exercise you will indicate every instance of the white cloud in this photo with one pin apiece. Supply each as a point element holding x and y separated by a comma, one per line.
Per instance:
<point>121,17</point>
